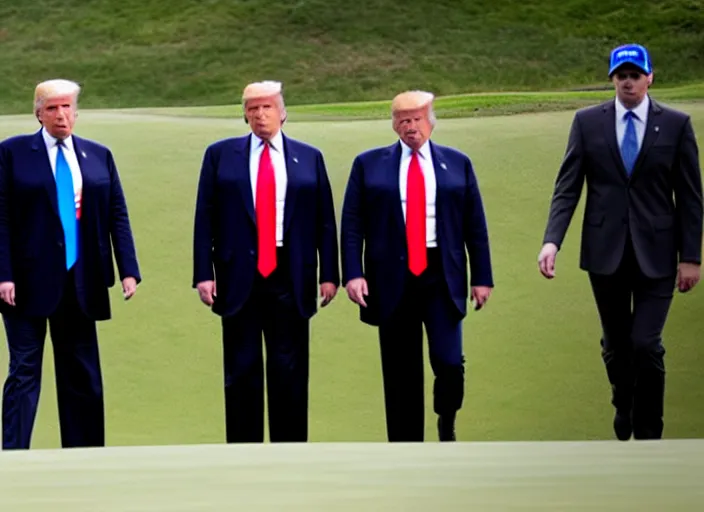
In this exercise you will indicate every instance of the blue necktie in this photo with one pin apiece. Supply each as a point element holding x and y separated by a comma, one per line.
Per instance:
<point>629,146</point>
<point>67,206</point>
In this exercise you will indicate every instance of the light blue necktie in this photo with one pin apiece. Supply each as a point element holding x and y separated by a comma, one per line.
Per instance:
<point>629,146</point>
<point>67,205</point>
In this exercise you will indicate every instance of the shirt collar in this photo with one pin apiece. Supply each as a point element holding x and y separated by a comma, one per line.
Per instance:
<point>276,142</point>
<point>51,141</point>
<point>641,110</point>
<point>424,150</point>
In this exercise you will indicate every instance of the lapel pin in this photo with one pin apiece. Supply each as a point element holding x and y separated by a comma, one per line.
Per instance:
<point>657,128</point>
<point>83,154</point>
<point>295,159</point>
<point>442,164</point>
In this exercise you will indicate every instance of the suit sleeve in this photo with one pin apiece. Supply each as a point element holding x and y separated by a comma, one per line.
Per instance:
<point>352,226</point>
<point>203,231</point>
<point>476,233</point>
<point>327,228</point>
<point>688,197</point>
<point>120,230</point>
<point>568,188</point>
<point>5,194</point>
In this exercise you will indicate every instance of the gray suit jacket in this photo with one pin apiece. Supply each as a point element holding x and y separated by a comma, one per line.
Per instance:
<point>659,206</point>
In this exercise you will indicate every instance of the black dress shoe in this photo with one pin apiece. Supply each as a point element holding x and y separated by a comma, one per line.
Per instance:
<point>623,426</point>
<point>446,429</point>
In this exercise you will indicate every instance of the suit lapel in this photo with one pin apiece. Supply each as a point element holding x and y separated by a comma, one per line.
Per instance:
<point>84,162</point>
<point>440,168</point>
<point>85,167</point>
<point>241,156</point>
<point>392,161</point>
<point>609,127</point>
<point>41,156</point>
<point>292,162</point>
<point>652,131</point>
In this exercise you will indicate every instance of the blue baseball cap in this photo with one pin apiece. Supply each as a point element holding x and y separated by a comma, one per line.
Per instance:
<point>630,54</point>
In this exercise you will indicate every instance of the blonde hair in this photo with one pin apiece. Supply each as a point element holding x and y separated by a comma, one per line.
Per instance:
<point>413,100</point>
<point>264,89</point>
<point>53,88</point>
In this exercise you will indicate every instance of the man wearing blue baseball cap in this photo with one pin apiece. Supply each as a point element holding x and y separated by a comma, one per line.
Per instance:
<point>641,234</point>
<point>630,54</point>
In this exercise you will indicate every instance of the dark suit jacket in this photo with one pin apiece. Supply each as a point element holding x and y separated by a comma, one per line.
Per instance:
<point>32,253</point>
<point>374,234</point>
<point>225,234</point>
<point>660,205</point>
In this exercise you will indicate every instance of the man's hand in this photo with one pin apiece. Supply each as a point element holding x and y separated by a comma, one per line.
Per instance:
<point>207,292</point>
<point>480,294</point>
<point>546,260</point>
<point>688,275</point>
<point>129,287</point>
<point>7,292</point>
<point>356,290</point>
<point>327,292</point>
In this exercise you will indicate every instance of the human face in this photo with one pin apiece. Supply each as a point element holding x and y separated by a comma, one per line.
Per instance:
<point>413,127</point>
<point>58,115</point>
<point>631,85</point>
<point>264,116</point>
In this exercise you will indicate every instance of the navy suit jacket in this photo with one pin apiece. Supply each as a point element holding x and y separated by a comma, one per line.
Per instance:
<point>32,253</point>
<point>373,229</point>
<point>225,234</point>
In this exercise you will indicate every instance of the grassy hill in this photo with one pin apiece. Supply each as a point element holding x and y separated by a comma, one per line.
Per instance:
<point>150,53</point>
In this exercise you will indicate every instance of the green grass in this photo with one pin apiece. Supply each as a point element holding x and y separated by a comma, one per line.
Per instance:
<point>533,363</point>
<point>149,53</point>
<point>393,477</point>
<point>465,105</point>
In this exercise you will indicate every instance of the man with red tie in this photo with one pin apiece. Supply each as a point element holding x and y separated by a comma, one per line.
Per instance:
<point>412,211</point>
<point>264,218</point>
<point>62,215</point>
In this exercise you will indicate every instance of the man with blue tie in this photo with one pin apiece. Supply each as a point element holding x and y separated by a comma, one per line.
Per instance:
<point>412,211</point>
<point>264,219</point>
<point>62,211</point>
<point>641,233</point>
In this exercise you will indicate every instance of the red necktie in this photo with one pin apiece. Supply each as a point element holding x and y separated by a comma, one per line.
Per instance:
<point>266,214</point>
<point>415,217</point>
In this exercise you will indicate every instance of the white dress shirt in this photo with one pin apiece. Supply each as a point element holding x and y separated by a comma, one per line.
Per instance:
<point>426,164</point>
<point>276,151</point>
<point>71,159</point>
<point>641,111</point>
